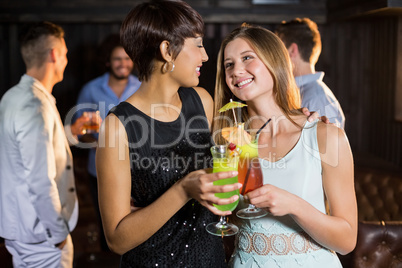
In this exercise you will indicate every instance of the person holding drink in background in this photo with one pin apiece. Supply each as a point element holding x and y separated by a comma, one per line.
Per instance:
<point>93,123</point>
<point>303,163</point>
<point>97,97</point>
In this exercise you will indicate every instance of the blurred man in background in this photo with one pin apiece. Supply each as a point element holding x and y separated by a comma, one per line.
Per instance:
<point>303,41</point>
<point>38,201</point>
<point>103,93</point>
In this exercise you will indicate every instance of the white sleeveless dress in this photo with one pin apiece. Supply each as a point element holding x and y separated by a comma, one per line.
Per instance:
<point>279,241</point>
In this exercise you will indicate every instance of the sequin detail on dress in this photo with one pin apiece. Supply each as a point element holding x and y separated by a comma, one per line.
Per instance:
<point>167,155</point>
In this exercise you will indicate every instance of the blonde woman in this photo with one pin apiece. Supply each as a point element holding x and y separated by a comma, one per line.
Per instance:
<point>303,163</point>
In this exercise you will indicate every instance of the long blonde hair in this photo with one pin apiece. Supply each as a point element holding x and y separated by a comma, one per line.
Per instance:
<point>272,52</point>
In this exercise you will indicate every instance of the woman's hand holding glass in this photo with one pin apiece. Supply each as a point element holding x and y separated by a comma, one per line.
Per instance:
<point>250,174</point>
<point>224,160</point>
<point>277,201</point>
<point>199,185</point>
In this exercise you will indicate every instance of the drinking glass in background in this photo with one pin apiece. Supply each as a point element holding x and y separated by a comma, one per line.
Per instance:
<point>223,160</point>
<point>93,124</point>
<point>250,175</point>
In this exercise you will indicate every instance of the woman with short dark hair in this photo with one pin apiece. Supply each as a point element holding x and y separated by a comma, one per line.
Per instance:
<point>155,146</point>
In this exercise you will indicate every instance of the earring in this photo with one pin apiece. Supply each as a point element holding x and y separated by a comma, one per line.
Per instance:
<point>165,68</point>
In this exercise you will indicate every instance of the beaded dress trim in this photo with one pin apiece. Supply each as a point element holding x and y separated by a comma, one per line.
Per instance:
<point>279,241</point>
<point>276,244</point>
<point>280,244</point>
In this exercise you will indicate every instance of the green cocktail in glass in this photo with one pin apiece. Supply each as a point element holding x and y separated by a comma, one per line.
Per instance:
<point>226,164</point>
<point>224,161</point>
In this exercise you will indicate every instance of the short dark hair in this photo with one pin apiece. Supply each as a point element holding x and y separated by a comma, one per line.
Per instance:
<point>35,44</point>
<point>148,24</point>
<point>303,32</point>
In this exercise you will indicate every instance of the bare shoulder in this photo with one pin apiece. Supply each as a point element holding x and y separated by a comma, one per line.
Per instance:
<point>111,129</point>
<point>207,102</point>
<point>331,138</point>
<point>112,121</point>
<point>329,129</point>
<point>204,95</point>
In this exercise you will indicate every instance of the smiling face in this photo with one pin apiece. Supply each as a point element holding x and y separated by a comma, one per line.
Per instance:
<point>254,65</point>
<point>245,74</point>
<point>189,62</point>
<point>120,63</point>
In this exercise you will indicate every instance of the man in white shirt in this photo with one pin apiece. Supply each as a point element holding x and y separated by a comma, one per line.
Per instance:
<point>303,41</point>
<point>38,202</point>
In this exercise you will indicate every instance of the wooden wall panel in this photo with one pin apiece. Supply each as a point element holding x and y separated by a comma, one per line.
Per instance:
<point>398,94</point>
<point>82,41</point>
<point>360,62</point>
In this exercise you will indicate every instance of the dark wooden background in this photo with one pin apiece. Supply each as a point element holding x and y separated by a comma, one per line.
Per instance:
<point>362,54</point>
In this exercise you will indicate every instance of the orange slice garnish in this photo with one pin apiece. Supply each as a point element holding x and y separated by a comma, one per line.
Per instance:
<point>236,135</point>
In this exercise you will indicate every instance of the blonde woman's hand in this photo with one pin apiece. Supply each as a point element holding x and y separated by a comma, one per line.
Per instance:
<point>275,200</point>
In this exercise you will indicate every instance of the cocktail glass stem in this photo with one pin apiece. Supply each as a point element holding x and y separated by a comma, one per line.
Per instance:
<point>224,162</point>
<point>251,212</point>
<point>222,228</point>
<point>222,222</point>
<point>251,208</point>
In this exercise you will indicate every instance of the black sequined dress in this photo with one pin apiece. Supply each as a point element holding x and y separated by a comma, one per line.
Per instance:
<point>162,153</point>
